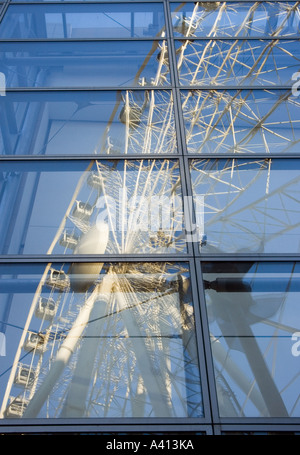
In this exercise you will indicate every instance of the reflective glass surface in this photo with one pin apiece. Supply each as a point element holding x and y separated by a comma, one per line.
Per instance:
<point>247,206</point>
<point>237,62</point>
<point>93,207</point>
<point>149,214</point>
<point>98,340</point>
<point>84,64</point>
<point>254,19</point>
<point>254,322</point>
<point>241,121</point>
<point>82,123</point>
<point>83,21</point>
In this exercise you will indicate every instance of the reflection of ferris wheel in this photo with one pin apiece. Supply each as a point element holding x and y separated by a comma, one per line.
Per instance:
<point>103,365</point>
<point>147,347</point>
<point>114,340</point>
<point>84,310</point>
<point>246,206</point>
<point>132,317</point>
<point>240,120</point>
<point>243,206</point>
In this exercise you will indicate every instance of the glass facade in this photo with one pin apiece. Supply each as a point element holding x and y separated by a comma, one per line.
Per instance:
<point>149,216</point>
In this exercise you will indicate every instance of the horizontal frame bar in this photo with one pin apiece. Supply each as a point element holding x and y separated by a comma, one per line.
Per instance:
<point>148,87</point>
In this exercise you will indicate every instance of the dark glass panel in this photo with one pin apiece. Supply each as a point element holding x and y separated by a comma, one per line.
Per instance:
<point>99,340</point>
<point>254,327</point>
<point>87,123</point>
<point>93,207</point>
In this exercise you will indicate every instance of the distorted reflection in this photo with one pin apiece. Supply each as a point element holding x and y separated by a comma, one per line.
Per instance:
<point>92,207</point>
<point>247,206</point>
<point>254,326</point>
<point>87,123</point>
<point>241,121</point>
<point>99,340</point>
<point>240,19</point>
<point>229,62</point>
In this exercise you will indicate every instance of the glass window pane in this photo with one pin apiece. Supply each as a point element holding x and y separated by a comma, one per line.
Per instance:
<point>83,21</point>
<point>241,121</point>
<point>85,64</point>
<point>107,340</point>
<point>247,206</point>
<point>253,311</point>
<point>243,62</point>
<point>222,19</point>
<point>93,207</point>
<point>87,123</point>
